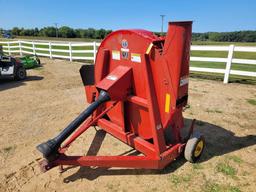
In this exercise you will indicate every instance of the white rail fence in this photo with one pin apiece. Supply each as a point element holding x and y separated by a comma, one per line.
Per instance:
<point>229,60</point>
<point>65,50</point>
<point>87,51</point>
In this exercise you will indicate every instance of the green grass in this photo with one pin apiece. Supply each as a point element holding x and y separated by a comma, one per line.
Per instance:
<point>223,43</point>
<point>212,187</point>
<point>175,180</point>
<point>251,101</point>
<point>213,111</point>
<point>226,169</point>
<point>235,159</point>
<point>215,187</point>
<point>197,166</point>
<point>224,54</point>
<point>217,65</point>
<point>219,77</point>
<point>178,179</point>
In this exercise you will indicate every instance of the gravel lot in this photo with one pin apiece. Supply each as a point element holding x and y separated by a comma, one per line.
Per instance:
<point>35,110</point>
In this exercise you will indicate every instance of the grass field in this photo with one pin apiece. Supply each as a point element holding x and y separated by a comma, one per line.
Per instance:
<point>218,54</point>
<point>223,54</point>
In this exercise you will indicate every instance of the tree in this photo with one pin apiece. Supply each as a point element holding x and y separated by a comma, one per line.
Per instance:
<point>66,32</point>
<point>48,32</point>
<point>15,31</point>
<point>91,33</point>
<point>36,32</point>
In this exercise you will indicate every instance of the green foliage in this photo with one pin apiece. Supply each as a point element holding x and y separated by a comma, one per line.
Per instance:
<point>233,189</point>
<point>47,32</point>
<point>236,36</point>
<point>236,159</point>
<point>68,32</point>
<point>64,32</point>
<point>212,187</point>
<point>215,187</point>
<point>251,101</point>
<point>226,169</point>
<point>175,180</point>
<point>197,166</point>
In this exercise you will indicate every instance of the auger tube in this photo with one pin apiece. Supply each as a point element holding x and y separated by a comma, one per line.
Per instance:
<point>50,148</point>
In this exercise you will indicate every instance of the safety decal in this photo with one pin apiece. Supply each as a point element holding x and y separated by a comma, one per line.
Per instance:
<point>135,57</point>
<point>125,55</point>
<point>116,55</point>
<point>149,48</point>
<point>124,49</point>
<point>183,80</point>
<point>167,103</point>
<point>124,43</point>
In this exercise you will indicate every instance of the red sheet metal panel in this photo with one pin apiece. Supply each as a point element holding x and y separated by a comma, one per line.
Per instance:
<point>169,66</point>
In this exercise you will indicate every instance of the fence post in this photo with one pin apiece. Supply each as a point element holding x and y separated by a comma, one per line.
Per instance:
<point>9,50</point>
<point>94,51</point>
<point>70,51</point>
<point>20,48</point>
<point>50,50</point>
<point>229,62</point>
<point>33,45</point>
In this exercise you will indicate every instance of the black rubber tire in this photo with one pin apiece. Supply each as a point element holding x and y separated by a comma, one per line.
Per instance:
<point>21,74</point>
<point>191,145</point>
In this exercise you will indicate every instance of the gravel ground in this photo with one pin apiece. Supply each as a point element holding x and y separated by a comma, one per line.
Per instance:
<point>35,110</point>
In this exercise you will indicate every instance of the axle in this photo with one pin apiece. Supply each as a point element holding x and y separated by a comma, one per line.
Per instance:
<point>50,148</point>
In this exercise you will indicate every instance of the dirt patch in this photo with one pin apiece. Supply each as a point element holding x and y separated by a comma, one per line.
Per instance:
<point>35,110</point>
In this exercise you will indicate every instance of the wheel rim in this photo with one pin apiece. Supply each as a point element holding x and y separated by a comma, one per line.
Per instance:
<point>21,74</point>
<point>199,148</point>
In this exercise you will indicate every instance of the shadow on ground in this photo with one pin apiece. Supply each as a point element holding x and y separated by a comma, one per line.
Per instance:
<point>11,83</point>
<point>219,141</point>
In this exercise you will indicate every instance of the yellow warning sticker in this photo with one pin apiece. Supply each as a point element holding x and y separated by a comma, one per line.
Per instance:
<point>149,48</point>
<point>135,57</point>
<point>116,55</point>
<point>167,102</point>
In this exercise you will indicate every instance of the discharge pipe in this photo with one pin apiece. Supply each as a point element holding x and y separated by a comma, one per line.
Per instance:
<point>50,148</point>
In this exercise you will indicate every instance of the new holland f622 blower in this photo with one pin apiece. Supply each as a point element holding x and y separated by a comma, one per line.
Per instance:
<point>137,90</point>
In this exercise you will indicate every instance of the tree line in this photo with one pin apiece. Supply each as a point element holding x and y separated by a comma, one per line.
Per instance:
<point>64,31</point>
<point>236,36</point>
<point>91,33</point>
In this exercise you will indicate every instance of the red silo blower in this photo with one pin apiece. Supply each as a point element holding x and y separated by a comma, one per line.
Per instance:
<point>137,91</point>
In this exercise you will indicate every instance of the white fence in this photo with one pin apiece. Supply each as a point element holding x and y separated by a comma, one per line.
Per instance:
<point>229,60</point>
<point>87,51</point>
<point>66,50</point>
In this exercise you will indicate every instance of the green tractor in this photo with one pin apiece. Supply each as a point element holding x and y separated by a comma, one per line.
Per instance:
<point>30,61</point>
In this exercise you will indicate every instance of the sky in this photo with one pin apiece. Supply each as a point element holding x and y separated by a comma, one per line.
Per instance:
<point>207,15</point>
